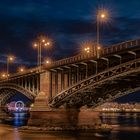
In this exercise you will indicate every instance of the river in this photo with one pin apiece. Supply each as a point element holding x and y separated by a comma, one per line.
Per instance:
<point>126,126</point>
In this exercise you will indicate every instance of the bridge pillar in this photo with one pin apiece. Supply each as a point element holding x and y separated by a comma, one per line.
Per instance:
<point>41,102</point>
<point>3,114</point>
<point>65,118</point>
<point>41,115</point>
<point>66,80</point>
<point>53,83</point>
<point>59,74</point>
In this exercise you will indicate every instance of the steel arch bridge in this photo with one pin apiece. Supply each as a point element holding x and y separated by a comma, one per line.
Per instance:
<point>8,90</point>
<point>105,86</point>
<point>112,80</point>
<point>20,83</point>
<point>80,80</point>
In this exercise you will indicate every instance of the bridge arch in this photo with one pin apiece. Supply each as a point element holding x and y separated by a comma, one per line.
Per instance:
<point>102,87</point>
<point>8,90</point>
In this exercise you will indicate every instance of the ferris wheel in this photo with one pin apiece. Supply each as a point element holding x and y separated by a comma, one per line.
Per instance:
<point>19,105</point>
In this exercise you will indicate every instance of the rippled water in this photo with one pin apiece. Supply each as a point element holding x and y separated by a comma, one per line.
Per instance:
<point>126,126</point>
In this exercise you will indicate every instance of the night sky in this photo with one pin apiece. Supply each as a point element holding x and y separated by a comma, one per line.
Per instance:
<point>67,22</point>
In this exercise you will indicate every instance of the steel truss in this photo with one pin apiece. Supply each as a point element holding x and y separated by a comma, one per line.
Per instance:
<point>107,85</point>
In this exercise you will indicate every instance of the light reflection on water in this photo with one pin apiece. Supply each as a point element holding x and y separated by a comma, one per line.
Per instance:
<point>19,119</point>
<point>16,119</point>
<point>126,126</point>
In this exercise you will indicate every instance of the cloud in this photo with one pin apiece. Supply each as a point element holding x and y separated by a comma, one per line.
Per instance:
<point>68,24</point>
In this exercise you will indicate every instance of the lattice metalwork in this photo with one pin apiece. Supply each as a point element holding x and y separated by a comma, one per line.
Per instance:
<point>74,95</point>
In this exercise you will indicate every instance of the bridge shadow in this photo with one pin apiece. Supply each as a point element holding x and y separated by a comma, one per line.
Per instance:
<point>72,115</point>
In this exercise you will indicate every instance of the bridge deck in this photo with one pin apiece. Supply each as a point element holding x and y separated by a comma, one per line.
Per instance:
<point>113,49</point>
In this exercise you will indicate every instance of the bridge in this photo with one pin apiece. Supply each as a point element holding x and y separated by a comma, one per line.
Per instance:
<point>81,80</point>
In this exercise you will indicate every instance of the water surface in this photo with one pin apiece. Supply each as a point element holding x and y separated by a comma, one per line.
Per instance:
<point>126,126</point>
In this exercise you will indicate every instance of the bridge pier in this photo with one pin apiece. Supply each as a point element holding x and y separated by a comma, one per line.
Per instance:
<point>44,116</point>
<point>64,118</point>
<point>3,114</point>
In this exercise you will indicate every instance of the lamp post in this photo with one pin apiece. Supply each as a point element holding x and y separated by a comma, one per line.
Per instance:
<point>10,59</point>
<point>41,42</point>
<point>102,15</point>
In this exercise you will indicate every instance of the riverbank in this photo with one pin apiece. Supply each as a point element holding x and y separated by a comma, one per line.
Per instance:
<point>120,111</point>
<point>101,129</point>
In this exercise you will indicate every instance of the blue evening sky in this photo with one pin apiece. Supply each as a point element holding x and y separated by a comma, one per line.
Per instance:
<point>67,22</point>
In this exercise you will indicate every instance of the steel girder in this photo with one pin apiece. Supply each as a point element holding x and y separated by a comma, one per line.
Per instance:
<point>107,85</point>
<point>7,90</point>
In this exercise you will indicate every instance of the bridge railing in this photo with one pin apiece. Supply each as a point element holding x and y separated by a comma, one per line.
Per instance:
<point>105,51</point>
<point>27,72</point>
<point>120,46</point>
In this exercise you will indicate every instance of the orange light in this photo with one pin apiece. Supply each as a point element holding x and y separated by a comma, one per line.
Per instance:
<point>3,75</point>
<point>47,62</point>
<point>11,58</point>
<point>35,45</point>
<point>87,49</point>
<point>43,40</point>
<point>98,47</point>
<point>21,69</point>
<point>102,15</point>
<point>47,44</point>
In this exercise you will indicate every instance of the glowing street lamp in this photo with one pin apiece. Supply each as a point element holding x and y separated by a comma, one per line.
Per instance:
<point>10,59</point>
<point>86,46</point>
<point>3,75</point>
<point>21,69</point>
<point>47,61</point>
<point>41,42</point>
<point>102,15</point>
<point>87,49</point>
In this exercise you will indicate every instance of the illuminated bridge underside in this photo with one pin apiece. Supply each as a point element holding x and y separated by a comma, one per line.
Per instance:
<point>105,86</point>
<point>8,90</point>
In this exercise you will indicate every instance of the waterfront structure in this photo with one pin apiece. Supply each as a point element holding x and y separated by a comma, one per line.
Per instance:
<point>78,81</point>
<point>17,106</point>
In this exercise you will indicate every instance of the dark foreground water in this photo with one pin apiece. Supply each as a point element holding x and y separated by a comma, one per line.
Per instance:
<point>126,126</point>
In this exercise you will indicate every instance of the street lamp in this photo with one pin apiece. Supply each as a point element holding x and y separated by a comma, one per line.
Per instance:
<point>41,42</point>
<point>87,49</point>
<point>102,15</point>
<point>21,69</point>
<point>86,46</point>
<point>47,61</point>
<point>3,75</point>
<point>10,59</point>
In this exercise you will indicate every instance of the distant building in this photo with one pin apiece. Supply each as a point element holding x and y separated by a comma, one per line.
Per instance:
<point>116,107</point>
